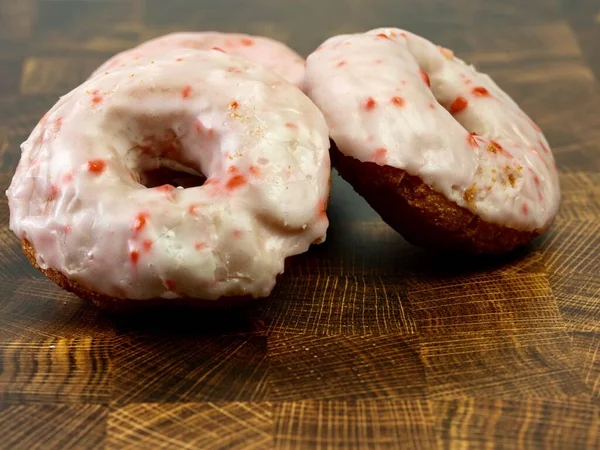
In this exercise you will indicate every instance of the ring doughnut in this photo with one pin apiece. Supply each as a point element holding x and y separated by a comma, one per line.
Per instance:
<point>445,156</point>
<point>79,205</point>
<point>270,53</point>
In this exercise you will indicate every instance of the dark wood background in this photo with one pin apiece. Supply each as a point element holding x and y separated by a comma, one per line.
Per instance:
<point>366,341</point>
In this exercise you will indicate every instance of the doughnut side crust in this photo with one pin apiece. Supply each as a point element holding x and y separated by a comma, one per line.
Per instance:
<point>123,305</point>
<point>423,216</point>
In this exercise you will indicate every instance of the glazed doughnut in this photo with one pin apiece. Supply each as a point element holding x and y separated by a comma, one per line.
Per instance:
<point>445,156</point>
<point>80,208</point>
<point>270,53</point>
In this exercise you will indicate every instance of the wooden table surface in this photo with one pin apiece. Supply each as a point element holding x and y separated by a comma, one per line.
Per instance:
<point>366,342</point>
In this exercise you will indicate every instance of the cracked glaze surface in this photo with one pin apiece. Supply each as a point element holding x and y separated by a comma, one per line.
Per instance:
<point>394,98</point>
<point>262,144</point>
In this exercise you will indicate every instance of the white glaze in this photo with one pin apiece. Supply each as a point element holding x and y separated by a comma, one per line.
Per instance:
<point>405,125</point>
<point>232,118</point>
<point>270,53</point>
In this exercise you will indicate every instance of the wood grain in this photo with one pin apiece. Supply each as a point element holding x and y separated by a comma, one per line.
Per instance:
<point>586,348</point>
<point>493,364</point>
<point>36,427</point>
<point>516,423</point>
<point>227,368</point>
<point>366,342</point>
<point>335,424</point>
<point>56,371</point>
<point>345,366</point>
<point>191,426</point>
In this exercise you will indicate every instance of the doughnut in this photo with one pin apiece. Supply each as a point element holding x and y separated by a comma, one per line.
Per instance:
<point>443,155</point>
<point>87,216</point>
<point>270,53</point>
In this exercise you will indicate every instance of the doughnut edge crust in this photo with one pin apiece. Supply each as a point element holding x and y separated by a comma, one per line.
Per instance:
<point>422,216</point>
<point>125,305</point>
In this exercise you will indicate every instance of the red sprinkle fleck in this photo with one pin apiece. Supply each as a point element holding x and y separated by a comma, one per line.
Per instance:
<point>170,284</point>
<point>383,36</point>
<point>378,61</point>
<point>525,209</point>
<point>431,106</point>
<point>97,99</point>
<point>199,127</point>
<point>536,180</point>
<point>341,64</point>
<point>58,124</point>
<point>186,91</point>
<point>234,70</point>
<point>199,245</point>
<point>237,234</point>
<point>247,42</point>
<point>397,102</point>
<point>147,244</point>
<point>472,140</point>
<point>425,78</point>
<point>544,147</point>
<point>218,49</point>
<point>68,228</point>
<point>380,156</point>
<point>458,105</point>
<point>179,59</point>
<point>167,189</point>
<point>236,181</point>
<point>53,192</point>
<point>234,105</point>
<point>134,256</point>
<point>534,125</point>
<point>97,166</point>
<point>192,208</point>
<point>322,209</point>
<point>480,91</point>
<point>140,221</point>
<point>369,104</point>
<point>291,125</point>
<point>254,170</point>
<point>232,169</point>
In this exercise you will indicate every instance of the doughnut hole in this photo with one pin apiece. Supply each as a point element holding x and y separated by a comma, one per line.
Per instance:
<point>166,149</point>
<point>166,175</point>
